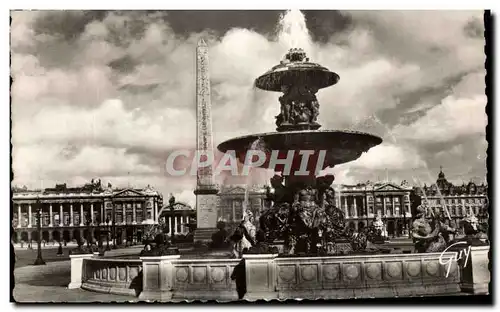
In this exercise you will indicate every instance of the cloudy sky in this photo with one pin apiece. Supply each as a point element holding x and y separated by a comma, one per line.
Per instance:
<point>109,95</point>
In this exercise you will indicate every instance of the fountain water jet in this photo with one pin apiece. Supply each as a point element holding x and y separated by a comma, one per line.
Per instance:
<point>293,32</point>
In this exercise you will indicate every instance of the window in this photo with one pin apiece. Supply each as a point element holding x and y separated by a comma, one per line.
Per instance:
<point>66,218</point>
<point>396,199</point>
<point>378,199</point>
<point>118,216</point>
<point>76,218</point>
<point>138,215</point>
<point>46,218</point>
<point>238,210</point>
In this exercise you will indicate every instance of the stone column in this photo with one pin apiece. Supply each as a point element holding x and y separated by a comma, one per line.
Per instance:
<point>175,220</point>
<point>260,274</point>
<point>155,217</point>
<point>394,206</point>
<point>365,207</point>
<point>81,214</point>
<point>346,208</point>
<point>29,216</point>
<point>134,220</point>
<point>157,277</point>
<point>103,215</point>
<point>170,225</point>
<point>61,223</point>
<point>51,222</point>
<point>355,208</point>
<point>19,215</point>
<point>234,211</point>
<point>92,213</point>
<point>384,205</point>
<point>124,216</point>
<point>71,215</point>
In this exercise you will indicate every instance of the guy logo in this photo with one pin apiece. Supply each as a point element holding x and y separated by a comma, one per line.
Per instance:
<point>456,256</point>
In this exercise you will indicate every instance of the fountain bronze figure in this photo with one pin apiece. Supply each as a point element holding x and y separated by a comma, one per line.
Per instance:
<point>303,212</point>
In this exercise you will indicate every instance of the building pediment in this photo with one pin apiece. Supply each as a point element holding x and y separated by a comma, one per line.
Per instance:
<point>179,206</point>
<point>389,187</point>
<point>128,193</point>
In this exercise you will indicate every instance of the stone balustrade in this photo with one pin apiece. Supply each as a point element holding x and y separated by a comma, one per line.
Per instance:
<point>114,276</point>
<point>270,277</point>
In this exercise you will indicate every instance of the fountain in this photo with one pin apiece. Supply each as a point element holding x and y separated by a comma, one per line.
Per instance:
<point>304,207</point>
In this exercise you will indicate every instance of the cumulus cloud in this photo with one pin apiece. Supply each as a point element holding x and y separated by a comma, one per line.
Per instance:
<point>451,119</point>
<point>110,94</point>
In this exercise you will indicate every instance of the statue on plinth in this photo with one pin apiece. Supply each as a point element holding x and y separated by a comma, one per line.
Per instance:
<point>244,236</point>
<point>298,105</point>
<point>430,234</point>
<point>274,220</point>
<point>474,231</point>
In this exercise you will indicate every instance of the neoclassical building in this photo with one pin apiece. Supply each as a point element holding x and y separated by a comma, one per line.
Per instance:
<point>460,200</point>
<point>362,202</point>
<point>177,216</point>
<point>68,213</point>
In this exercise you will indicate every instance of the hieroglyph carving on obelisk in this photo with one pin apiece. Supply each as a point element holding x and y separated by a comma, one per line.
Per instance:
<point>204,142</point>
<point>206,190</point>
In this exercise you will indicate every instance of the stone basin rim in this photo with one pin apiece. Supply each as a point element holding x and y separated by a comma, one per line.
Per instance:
<point>376,139</point>
<point>307,69</point>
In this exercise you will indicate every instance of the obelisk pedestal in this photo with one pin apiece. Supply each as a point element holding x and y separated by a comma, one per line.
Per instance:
<point>206,190</point>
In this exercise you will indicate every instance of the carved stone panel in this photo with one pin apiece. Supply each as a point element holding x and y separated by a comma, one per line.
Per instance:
<point>394,270</point>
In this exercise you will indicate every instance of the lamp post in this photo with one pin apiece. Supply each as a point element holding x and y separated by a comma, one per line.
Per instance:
<point>39,259</point>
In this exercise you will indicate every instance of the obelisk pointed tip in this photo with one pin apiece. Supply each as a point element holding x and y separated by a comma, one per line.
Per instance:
<point>202,43</point>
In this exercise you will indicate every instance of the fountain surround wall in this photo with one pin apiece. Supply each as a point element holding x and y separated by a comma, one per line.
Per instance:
<point>170,278</point>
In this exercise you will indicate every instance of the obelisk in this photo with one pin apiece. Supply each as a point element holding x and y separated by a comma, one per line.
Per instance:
<point>206,190</point>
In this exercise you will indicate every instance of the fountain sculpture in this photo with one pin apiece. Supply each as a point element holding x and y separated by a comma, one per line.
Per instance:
<point>303,213</point>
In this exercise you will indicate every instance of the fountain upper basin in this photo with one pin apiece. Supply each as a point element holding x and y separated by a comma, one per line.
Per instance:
<point>341,146</point>
<point>296,73</point>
